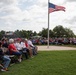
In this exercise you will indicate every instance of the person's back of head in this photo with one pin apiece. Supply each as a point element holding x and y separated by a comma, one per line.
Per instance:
<point>11,40</point>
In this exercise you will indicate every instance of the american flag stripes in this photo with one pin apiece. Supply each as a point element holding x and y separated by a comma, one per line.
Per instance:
<point>53,7</point>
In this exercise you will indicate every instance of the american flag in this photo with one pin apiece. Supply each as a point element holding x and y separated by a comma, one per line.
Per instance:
<point>53,7</point>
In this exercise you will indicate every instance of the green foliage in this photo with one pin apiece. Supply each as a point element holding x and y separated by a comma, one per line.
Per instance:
<point>58,31</point>
<point>34,34</point>
<point>2,34</point>
<point>69,32</point>
<point>24,33</point>
<point>44,32</point>
<point>46,63</point>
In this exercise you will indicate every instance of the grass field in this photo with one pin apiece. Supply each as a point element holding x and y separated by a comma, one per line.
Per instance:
<point>46,63</point>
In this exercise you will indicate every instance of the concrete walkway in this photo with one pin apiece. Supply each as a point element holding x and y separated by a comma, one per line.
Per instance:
<point>51,48</point>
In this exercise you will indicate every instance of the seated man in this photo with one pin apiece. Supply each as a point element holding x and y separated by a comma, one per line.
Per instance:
<point>34,48</point>
<point>29,48</point>
<point>13,50</point>
<point>6,60</point>
<point>21,47</point>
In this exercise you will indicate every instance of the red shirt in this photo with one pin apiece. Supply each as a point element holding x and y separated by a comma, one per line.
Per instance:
<point>26,44</point>
<point>11,47</point>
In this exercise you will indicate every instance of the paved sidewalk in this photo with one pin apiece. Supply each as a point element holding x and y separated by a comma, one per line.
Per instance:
<point>51,48</point>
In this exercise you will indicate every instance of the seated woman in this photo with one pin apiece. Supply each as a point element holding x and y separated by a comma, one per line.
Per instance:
<point>13,50</point>
<point>6,60</point>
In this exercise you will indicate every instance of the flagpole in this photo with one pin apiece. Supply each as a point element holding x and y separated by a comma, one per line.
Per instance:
<point>59,8</point>
<point>48,24</point>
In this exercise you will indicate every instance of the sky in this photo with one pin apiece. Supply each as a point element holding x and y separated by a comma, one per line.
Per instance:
<point>33,15</point>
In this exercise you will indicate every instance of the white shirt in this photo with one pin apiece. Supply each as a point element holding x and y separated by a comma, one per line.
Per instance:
<point>30,43</point>
<point>18,46</point>
<point>23,45</point>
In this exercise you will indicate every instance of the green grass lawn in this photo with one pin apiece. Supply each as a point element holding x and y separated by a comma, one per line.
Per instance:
<point>46,63</point>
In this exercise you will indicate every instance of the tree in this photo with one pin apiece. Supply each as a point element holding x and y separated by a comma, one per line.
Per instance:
<point>51,33</point>
<point>43,33</point>
<point>17,33</point>
<point>59,31</point>
<point>69,33</point>
<point>2,34</point>
<point>34,33</point>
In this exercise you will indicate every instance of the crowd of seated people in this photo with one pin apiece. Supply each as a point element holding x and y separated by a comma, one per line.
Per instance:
<point>54,41</point>
<point>17,47</point>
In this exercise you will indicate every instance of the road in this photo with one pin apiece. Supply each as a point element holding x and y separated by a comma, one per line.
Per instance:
<point>51,48</point>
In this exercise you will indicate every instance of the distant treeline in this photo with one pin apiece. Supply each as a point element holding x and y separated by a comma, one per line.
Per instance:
<point>58,31</point>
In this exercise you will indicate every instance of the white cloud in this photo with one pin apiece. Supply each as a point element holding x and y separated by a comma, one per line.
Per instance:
<point>67,18</point>
<point>59,2</point>
<point>9,2</point>
<point>14,14</point>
